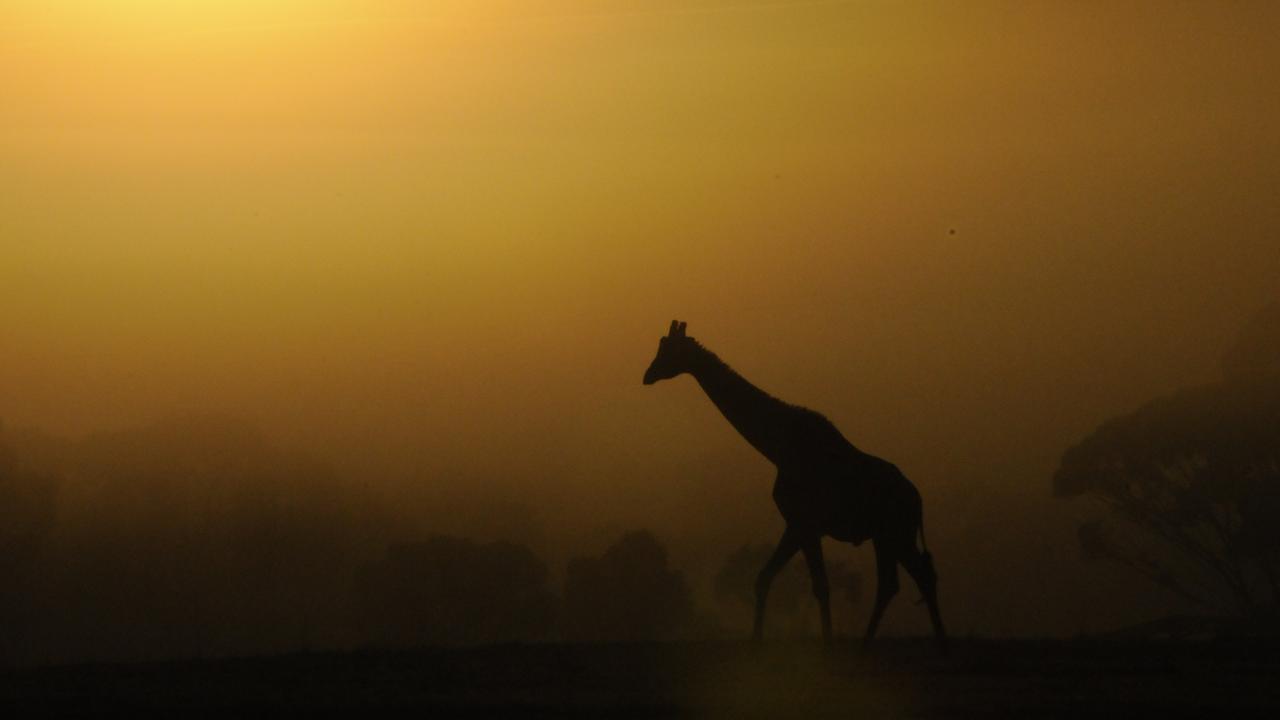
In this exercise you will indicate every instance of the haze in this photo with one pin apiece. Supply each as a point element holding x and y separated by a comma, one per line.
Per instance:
<point>434,246</point>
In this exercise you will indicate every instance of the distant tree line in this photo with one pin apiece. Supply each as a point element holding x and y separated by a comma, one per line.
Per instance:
<point>197,537</point>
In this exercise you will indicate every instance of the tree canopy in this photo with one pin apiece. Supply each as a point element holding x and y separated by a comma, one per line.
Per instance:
<point>1193,482</point>
<point>629,593</point>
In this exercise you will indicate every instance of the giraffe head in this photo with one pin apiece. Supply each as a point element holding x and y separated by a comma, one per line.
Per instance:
<point>675,355</point>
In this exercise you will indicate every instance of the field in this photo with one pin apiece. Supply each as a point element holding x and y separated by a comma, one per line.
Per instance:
<point>898,678</point>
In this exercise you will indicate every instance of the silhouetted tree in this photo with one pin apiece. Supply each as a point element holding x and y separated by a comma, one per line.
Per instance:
<point>792,591</point>
<point>628,594</point>
<point>447,590</point>
<point>1193,483</point>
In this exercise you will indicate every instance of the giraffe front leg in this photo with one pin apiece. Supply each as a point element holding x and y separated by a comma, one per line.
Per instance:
<point>821,587</point>
<point>787,547</point>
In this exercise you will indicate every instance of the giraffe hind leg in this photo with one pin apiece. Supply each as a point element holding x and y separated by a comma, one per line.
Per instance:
<point>886,585</point>
<point>919,565</point>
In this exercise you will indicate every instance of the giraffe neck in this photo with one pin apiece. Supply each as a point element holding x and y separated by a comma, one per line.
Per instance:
<point>755,414</point>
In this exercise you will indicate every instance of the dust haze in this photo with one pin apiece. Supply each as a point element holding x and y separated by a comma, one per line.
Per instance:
<point>296,294</point>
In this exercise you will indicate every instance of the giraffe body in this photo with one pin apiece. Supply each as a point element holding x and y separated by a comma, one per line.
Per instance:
<point>825,486</point>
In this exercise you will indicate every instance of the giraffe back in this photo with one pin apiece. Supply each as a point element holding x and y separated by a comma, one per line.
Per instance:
<point>829,487</point>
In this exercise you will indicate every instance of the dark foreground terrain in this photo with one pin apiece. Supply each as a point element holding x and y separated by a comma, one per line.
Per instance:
<point>897,679</point>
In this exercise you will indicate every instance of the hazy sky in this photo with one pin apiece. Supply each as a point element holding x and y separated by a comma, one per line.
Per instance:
<point>442,238</point>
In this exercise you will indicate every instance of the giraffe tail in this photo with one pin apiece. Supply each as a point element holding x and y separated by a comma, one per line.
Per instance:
<point>930,575</point>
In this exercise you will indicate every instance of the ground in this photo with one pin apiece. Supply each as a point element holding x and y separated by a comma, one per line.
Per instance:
<point>898,678</point>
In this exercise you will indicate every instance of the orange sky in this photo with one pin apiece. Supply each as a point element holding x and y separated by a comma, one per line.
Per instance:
<point>442,238</point>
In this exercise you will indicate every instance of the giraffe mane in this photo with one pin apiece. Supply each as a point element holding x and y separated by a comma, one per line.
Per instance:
<point>711,357</point>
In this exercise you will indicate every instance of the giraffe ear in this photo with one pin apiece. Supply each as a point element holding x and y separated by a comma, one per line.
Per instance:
<point>675,327</point>
<point>680,329</point>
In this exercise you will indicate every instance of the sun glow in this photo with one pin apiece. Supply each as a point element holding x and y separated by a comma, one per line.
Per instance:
<point>394,214</point>
<point>175,12</point>
<point>199,67</point>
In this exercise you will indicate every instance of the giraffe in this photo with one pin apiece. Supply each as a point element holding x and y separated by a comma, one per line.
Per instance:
<point>825,486</point>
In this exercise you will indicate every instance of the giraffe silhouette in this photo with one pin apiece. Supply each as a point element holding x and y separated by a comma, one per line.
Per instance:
<point>825,485</point>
